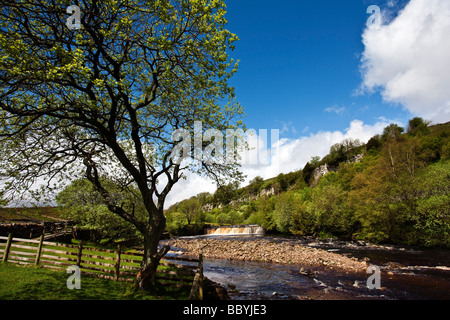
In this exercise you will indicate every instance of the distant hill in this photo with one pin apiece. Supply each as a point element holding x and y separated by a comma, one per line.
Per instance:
<point>18,215</point>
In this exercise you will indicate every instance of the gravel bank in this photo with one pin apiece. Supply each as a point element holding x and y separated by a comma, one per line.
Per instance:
<point>267,251</point>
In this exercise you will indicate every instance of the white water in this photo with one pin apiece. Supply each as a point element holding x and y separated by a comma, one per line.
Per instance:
<point>407,273</point>
<point>235,230</point>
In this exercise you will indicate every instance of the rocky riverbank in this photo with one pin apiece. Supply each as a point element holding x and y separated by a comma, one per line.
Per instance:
<point>263,250</point>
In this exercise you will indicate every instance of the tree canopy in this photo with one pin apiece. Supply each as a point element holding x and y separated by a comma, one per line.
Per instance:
<point>81,203</point>
<point>396,190</point>
<point>104,100</point>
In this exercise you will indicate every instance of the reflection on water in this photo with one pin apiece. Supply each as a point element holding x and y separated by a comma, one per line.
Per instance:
<point>406,273</point>
<point>258,280</point>
<point>253,280</point>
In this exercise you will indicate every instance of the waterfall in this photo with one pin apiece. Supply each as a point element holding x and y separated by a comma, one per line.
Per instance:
<point>235,230</point>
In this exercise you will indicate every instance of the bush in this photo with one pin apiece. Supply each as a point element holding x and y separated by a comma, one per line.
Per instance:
<point>224,219</point>
<point>429,149</point>
<point>176,223</point>
<point>257,218</point>
<point>303,221</point>
<point>210,218</point>
<point>433,221</point>
<point>445,152</point>
<point>285,208</point>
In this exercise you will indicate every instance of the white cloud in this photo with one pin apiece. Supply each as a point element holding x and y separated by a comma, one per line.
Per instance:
<point>292,154</point>
<point>288,127</point>
<point>408,59</point>
<point>287,155</point>
<point>391,3</point>
<point>185,189</point>
<point>335,109</point>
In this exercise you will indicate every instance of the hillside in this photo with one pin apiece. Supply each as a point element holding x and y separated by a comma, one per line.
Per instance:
<point>393,189</point>
<point>18,215</point>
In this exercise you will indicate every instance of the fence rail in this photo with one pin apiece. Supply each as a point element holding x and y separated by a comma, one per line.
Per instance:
<point>116,265</point>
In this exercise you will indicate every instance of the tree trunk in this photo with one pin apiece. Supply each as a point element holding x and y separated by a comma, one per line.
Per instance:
<point>146,278</point>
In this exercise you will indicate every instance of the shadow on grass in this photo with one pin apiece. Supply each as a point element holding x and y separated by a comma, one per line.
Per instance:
<point>34,283</point>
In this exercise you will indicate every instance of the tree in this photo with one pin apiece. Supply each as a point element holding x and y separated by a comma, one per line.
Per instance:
<point>3,202</point>
<point>384,196</point>
<point>226,193</point>
<point>105,100</point>
<point>343,151</point>
<point>281,179</point>
<point>81,203</point>
<point>429,148</point>
<point>432,218</point>
<point>309,167</point>
<point>374,143</point>
<point>303,220</point>
<point>176,223</point>
<point>203,198</point>
<point>315,161</point>
<point>417,126</point>
<point>285,208</point>
<point>191,209</point>
<point>445,152</point>
<point>255,185</point>
<point>330,209</point>
<point>392,131</point>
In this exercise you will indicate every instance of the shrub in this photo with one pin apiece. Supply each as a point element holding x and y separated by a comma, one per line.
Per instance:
<point>176,223</point>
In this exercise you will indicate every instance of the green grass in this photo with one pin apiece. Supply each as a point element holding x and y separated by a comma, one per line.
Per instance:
<point>35,283</point>
<point>104,260</point>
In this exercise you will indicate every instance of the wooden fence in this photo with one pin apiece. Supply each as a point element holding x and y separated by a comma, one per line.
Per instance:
<point>197,286</point>
<point>103,263</point>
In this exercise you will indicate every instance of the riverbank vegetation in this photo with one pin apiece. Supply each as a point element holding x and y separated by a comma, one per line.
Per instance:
<point>393,189</point>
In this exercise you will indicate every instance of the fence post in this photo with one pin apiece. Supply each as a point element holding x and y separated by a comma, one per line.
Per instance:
<point>117,265</point>
<point>80,251</point>
<point>8,245</point>
<point>198,281</point>
<point>38,254</point>
<point>200,270</point>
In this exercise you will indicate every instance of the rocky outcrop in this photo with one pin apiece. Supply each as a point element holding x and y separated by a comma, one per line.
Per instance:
<point>208,207</point>
<point>320,172</point>
<point>238,202</point>
<point>267,192</point>
<point>326,168</point>
<point>357,158</point>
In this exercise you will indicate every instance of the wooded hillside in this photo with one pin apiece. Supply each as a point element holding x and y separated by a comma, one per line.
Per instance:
<point>393,189</point>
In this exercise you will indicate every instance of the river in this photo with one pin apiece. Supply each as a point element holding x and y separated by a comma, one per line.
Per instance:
<point>406,273</point>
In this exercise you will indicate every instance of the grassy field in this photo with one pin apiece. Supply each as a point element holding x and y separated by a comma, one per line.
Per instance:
<point>18,282</point>
<point>35,283</point>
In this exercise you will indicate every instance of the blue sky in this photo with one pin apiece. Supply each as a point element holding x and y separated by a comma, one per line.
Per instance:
<point>300,65</point>
<point>304,63</point>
